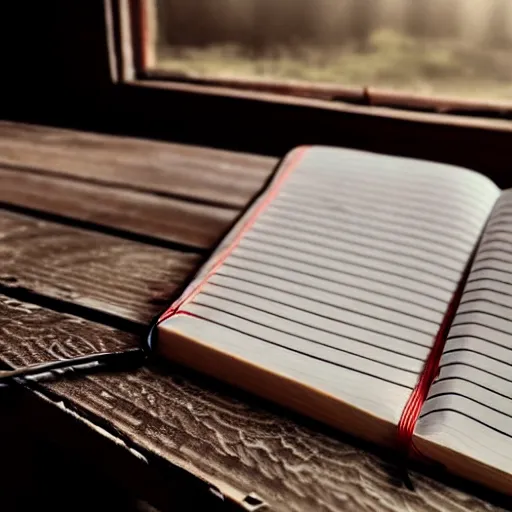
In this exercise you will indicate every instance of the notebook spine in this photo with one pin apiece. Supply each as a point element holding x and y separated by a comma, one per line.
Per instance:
<point>430,372</point>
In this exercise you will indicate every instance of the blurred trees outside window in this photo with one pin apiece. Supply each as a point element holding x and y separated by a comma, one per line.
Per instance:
<point>454,47</point>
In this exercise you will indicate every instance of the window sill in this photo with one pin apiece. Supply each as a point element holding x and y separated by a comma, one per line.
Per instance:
<point>366,102</point>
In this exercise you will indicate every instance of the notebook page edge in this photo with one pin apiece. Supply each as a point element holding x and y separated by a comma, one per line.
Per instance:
<point>282,389</point>
<point>463,465</point>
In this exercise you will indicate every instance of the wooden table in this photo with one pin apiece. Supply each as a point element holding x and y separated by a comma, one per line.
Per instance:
<point>97,232</point>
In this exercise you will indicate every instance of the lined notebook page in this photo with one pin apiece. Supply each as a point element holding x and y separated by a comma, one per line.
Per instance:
<point>341,283</point>
<point>469,408</point>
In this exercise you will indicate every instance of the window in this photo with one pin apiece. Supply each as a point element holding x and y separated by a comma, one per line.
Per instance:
<point>458,48</point>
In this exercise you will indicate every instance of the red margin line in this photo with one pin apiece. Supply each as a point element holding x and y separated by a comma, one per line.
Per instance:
<point>271,194</point>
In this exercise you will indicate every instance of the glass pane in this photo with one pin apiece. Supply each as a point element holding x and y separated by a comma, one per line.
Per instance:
<point>454,47</point>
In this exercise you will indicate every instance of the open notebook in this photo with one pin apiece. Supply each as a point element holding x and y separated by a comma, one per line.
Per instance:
<point>328,294</point>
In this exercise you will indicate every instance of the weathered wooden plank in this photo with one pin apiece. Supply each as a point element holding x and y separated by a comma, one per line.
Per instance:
<point>206,175</point>
<point>240,444</point>
<point>139,213</point>
<point>125,278</point>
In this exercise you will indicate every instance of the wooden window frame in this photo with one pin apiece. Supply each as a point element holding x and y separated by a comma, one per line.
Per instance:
<point>143,37</point>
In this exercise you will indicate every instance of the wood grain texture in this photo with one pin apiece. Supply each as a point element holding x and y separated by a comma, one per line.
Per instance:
<point>202,174</point>
<point>125,278</point>
<point>145,214</point>
<point>202,427</point>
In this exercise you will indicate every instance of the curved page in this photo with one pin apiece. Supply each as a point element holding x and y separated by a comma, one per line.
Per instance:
<point>469,407</point>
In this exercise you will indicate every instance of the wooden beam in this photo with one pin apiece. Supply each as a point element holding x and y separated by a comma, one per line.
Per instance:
<point>139,216</point>
<point>202,174</point>
<point>108,274</point>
